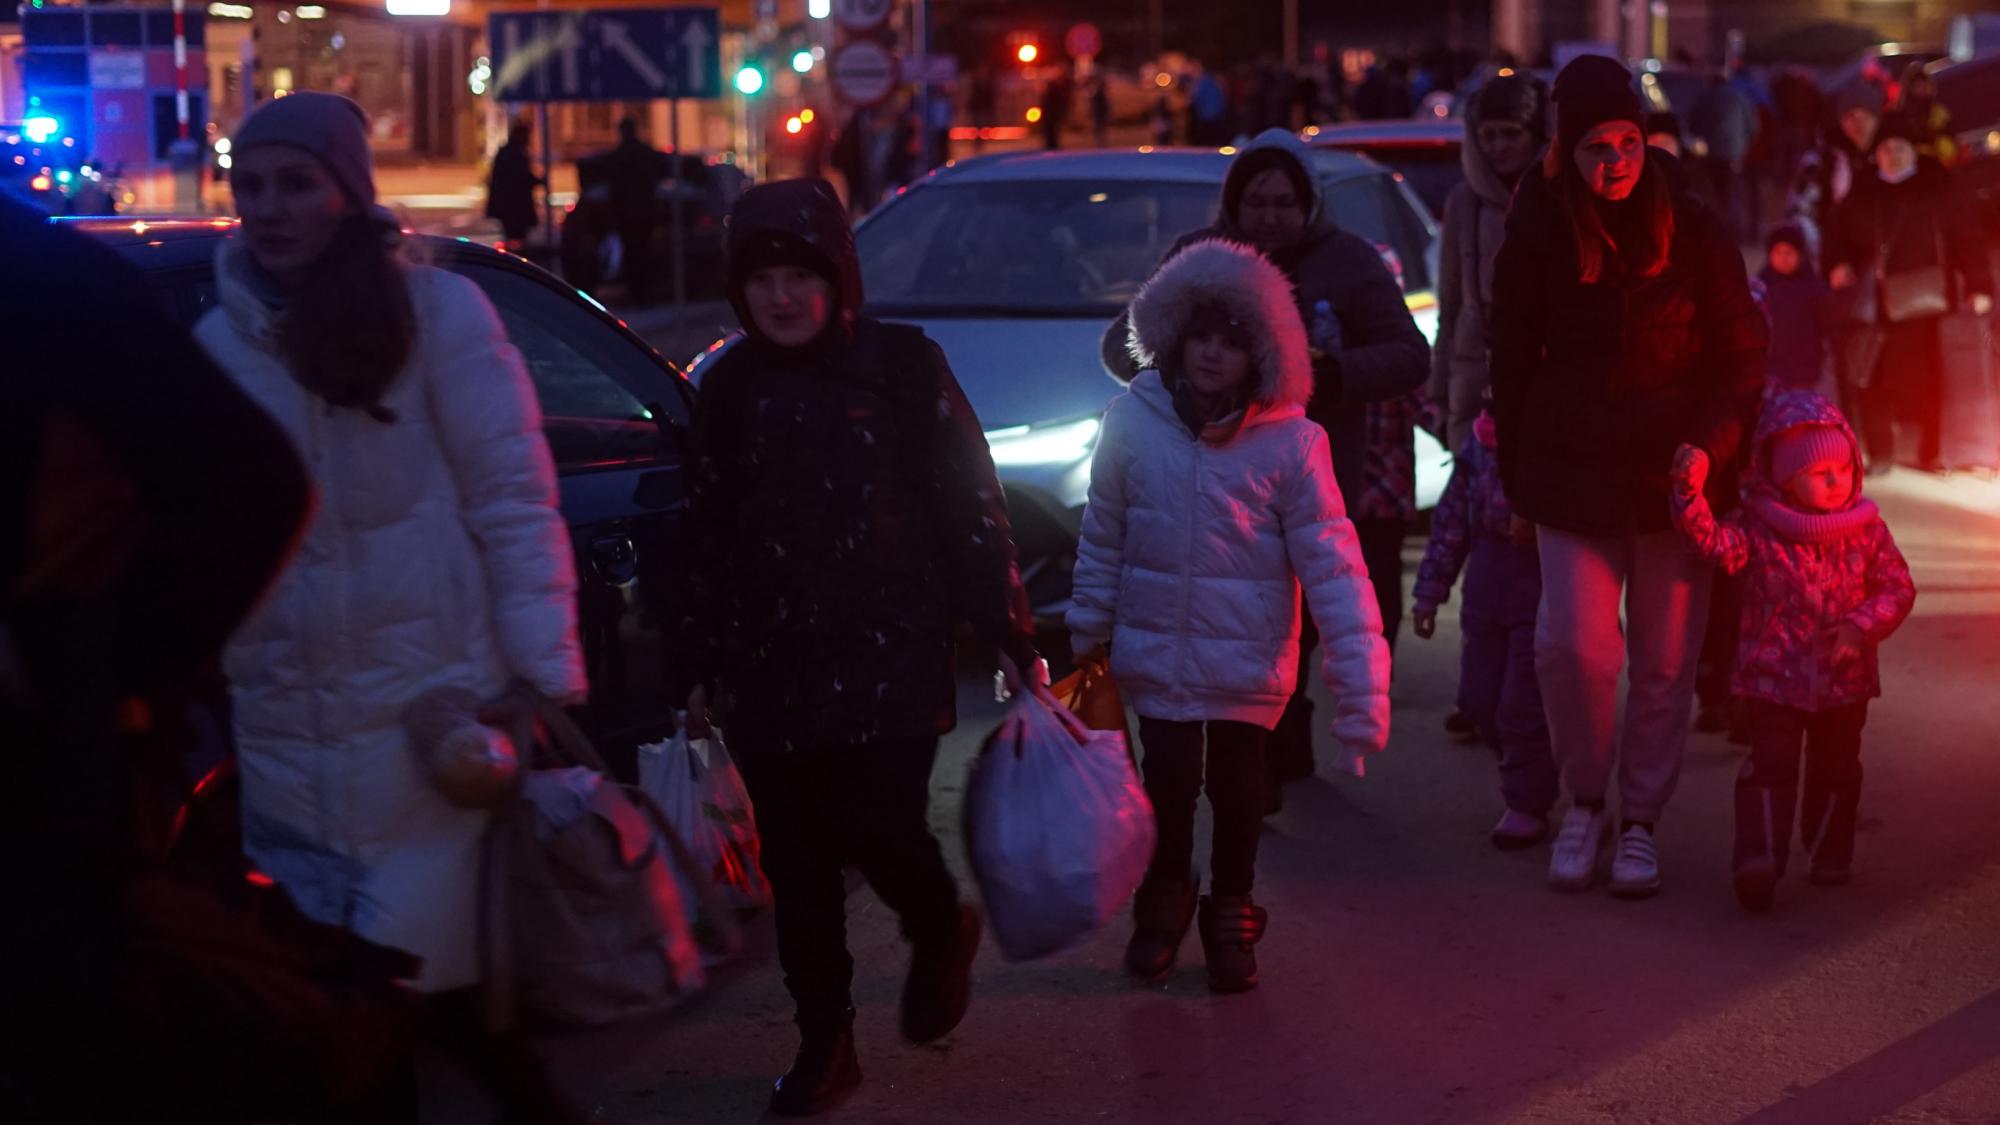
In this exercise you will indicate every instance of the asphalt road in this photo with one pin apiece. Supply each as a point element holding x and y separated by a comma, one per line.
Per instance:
<point>1414,974</point>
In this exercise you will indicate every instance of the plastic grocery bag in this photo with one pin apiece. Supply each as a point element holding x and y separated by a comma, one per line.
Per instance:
<point>1092,695</point>
<point>1057,826</point>
<point>698,787</point>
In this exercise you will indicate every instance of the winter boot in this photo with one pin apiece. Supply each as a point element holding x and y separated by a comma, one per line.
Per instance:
<point>824,1072</point>
<point>939,987</point>
<point>1756,884</point>
<point>1160,919</point>
<point>1230,931</point>
<point>1459,727</point>
<point>1518,830</point>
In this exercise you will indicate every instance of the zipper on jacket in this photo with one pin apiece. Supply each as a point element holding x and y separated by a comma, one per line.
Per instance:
<point>1187,573</point>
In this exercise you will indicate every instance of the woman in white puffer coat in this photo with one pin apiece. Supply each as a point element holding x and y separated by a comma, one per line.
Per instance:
<point>437,557</point>
<point>1212,499</point>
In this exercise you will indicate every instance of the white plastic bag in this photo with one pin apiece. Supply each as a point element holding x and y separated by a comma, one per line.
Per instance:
<point>698,787</point>
<point>1057,826</point>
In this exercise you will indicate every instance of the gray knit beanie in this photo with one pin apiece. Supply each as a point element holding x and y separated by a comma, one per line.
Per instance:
<point>334,129</point>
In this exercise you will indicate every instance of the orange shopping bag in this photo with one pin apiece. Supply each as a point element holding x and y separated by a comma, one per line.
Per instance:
<point>1092,695</point>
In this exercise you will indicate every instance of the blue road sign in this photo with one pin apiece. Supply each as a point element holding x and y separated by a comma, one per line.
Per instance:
<point>609,54</point>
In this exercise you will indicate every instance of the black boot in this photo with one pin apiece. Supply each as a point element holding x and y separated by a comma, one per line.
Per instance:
<point>824,1072</point>
<point>1230,931</point>
<point>1160,919</point>
<point>939,987</point>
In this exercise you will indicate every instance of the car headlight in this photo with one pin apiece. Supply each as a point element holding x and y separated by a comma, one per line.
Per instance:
<point>1057,443</point>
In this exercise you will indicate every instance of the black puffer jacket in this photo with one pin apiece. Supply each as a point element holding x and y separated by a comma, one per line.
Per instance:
<point>845,516</point>
<point>1923,222</point>
<point>1381,354</point>
<point>1596,385</point>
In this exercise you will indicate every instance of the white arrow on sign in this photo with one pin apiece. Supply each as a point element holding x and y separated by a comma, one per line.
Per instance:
<point>696,40</point>
<point>619,39</point>
<point>569,41</point>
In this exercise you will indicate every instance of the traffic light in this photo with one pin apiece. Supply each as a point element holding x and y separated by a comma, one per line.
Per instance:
<point>802,61</point>
<point>750,80</point>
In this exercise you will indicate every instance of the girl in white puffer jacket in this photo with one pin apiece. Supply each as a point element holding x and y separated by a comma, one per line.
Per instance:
<point>1212,499</point>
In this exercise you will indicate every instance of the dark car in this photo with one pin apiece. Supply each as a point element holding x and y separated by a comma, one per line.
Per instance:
<point>1424,153</point>
<point>616,417</point>
<point>706,190</point>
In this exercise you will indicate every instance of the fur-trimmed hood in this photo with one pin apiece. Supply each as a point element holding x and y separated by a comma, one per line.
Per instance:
<point>1255,292</point>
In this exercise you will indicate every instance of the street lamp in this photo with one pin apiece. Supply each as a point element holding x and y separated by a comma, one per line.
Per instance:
<point>1028,53</point>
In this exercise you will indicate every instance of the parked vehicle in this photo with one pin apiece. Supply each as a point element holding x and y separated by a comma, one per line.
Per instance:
<point>707,190</point>
<point>1424,153</point>
<point>616,416</point>
<point>1015,263</point>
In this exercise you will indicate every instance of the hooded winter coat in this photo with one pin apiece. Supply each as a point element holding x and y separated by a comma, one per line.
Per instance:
<point>1475,223</point>
<point>438,557</point>
<point>1194,547</point>
<point>1377,353</point>
<point>1596,385</point>
<point>845,515</point>
<point>1473,516</point>
<point>1804,581</point>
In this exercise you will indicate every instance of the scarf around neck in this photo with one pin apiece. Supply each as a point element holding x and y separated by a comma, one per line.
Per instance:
<point>1813,527</point>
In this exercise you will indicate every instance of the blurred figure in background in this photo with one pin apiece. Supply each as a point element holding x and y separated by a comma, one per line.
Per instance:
<point>510,189</point>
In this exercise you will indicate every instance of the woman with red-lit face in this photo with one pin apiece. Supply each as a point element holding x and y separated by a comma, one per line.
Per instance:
<point>1623,336</point>
<point>1610,158</point>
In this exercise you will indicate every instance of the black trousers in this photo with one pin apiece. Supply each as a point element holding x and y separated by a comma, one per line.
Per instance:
<point>819,811</point>
<point>1906,390</point>
<point>1718,646</point>
<point>1291,743</point>
<point>1767,790</point>
<point>1237,791</point>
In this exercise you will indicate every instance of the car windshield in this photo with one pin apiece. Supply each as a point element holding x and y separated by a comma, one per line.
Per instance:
<point>1025,248</point>
<point>1068,248</point>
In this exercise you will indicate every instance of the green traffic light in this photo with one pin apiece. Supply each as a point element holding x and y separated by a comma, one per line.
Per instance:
<point>749,81</point>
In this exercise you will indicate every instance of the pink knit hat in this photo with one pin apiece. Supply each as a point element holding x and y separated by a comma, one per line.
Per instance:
<point>1803,446</point>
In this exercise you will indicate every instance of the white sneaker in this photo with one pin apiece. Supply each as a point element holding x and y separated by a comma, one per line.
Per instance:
<point>1573,862</point>
<point>1636,871</point>
<point>1519,830</point>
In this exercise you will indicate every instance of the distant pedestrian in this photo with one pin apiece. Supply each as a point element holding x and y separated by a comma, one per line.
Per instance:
<point>1725,122</point>
<point>1212,501</point>
<point>1208,113</point>
<point>1663,132</point>
<point>1100,112</point>
<point>1623,329</point>
<point>1800,307</point>
<point>510,188</point>
<point>1506,131</point>
<point>845,520</point>
<point>438,558</point>
<point>1825,587</point>
<point>1843,160</point>
<point>635,170</point>
<point>1473,529</point>
<point>1909,249</point>
<point>1161,120</point>
<point>854,158</point>
<point>1926,119</point>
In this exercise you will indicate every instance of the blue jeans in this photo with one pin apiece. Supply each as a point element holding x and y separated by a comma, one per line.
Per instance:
<point>1498,687</point>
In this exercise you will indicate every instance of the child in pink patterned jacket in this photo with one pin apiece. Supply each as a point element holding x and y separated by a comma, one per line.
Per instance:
<point>1826,585</point>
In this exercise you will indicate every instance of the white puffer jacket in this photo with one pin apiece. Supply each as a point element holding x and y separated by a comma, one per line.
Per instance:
<point>437,556</point>
<point>1193,549</point>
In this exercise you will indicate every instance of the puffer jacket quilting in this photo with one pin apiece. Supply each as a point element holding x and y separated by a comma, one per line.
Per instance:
<point>1797,591</point>
<point>437,557</point>
<point>1193,550</point>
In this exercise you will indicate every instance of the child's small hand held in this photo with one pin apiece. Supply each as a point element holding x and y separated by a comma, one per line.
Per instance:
<point>1690,472</point>
<point>1425,622</point>
<point>1847,641</point>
